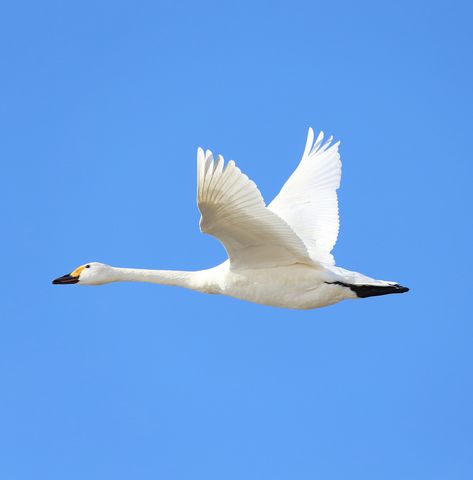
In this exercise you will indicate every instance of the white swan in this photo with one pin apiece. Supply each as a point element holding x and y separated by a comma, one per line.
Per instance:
<point>278,254</point>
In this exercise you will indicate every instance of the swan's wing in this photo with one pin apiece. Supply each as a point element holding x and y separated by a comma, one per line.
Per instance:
<point>234,211</point>
<point>308,200</point>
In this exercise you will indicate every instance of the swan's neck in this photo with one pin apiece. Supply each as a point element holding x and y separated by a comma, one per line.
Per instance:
<point>201,280</point>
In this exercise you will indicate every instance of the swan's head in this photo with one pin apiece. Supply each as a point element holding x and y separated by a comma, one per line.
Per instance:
<point>92,273</point>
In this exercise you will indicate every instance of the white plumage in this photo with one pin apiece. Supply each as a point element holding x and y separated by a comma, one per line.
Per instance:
<point>278,254</point>
<point>234,211</point>
<point>308,200</point>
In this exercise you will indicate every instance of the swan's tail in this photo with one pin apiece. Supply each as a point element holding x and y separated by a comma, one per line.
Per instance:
<point>364,291</point>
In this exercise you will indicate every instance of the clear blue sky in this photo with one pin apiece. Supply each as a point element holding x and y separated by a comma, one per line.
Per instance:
<point>103,107</point>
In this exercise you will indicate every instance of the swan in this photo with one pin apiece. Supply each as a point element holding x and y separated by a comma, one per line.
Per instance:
<point>278,254</point>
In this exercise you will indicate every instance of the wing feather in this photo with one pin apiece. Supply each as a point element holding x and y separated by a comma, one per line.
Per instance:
<point>234,212</point>
<point>308,200</point>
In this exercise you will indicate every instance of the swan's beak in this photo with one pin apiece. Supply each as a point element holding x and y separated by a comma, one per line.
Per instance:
<point>66,280</point>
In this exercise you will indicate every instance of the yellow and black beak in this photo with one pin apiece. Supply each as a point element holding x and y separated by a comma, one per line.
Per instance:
<point>66,279</point>
<point>70,278</point>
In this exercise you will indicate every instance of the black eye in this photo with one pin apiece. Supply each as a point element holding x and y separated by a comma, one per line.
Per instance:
<point>87,266</point>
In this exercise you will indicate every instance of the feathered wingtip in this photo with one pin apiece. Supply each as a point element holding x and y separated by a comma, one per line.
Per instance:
<point>205,162</point>
<point>207,169</point>
<point>312,148</point>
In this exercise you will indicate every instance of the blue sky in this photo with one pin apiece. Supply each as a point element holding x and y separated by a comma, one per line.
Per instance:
<point>103,107</point>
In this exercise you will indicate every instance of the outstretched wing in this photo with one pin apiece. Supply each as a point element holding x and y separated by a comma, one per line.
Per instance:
<point>308,200</point>
<point>234,211</point>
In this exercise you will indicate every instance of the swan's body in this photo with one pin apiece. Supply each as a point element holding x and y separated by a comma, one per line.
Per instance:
<point>279,254</point>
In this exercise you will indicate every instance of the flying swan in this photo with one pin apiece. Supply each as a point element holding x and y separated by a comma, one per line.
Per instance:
<point>278,254</point>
